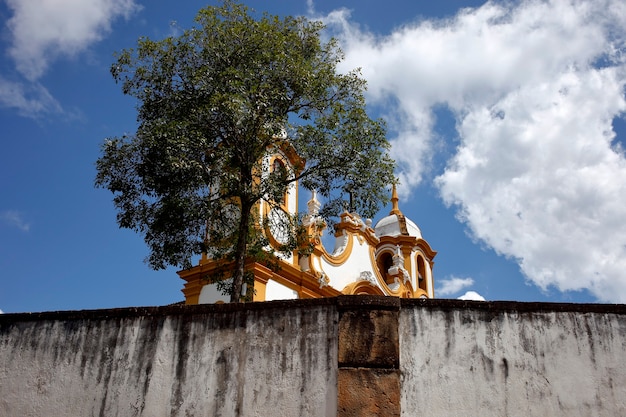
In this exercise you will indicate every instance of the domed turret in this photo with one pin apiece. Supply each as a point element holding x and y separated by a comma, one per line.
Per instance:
<point>396,224</point>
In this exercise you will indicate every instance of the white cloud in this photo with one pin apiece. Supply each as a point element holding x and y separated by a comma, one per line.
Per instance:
<point>453,285</point>
<point>472,295</point>
<point>42,30</point>
<point>14,218</point>
<point>542,184</point>
<point>310,7</point>
<point>29,99</point>
<point>534,87</point>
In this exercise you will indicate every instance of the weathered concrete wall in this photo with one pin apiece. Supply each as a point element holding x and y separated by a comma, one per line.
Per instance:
<point>181,361</point>
<point>512,359</point>
<point>344,356</point>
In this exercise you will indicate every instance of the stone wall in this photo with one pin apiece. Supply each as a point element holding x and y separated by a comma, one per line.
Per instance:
<point>512,359</point>
<point>223,360</point>
<point>346,356</point>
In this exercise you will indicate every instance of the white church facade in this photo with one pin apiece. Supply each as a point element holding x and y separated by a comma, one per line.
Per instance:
<point>388,258</point>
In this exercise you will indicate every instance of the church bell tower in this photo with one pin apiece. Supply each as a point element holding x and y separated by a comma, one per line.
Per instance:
<point>390,258</point>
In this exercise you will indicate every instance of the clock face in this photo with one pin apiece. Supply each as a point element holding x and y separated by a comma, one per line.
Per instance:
<point>279,225</point>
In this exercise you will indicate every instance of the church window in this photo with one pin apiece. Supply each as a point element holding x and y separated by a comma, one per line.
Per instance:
<point>278,165</point>
<point>385,261</point>
<point>421,273</point>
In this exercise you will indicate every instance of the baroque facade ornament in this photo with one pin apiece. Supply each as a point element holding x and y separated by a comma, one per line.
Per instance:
<point>389,257</point>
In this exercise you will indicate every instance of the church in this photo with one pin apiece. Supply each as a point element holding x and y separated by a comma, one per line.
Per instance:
<point>389,257</point>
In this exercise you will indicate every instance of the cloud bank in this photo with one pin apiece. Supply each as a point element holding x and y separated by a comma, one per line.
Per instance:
<point>29,99</point>
<point>538,174</point>
<point>14,218</point>
<point>472,295</point>
<point>42,31</point>
<point>453,285</point>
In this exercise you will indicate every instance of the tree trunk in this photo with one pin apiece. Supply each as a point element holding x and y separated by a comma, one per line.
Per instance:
<point>240,253</point>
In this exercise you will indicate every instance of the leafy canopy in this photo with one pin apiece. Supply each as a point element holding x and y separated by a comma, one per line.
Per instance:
<point>211,103</point>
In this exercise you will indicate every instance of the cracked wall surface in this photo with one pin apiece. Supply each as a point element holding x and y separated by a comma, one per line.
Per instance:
<point>175,361</point>
<point>513,359</point>
<point>341,356</point>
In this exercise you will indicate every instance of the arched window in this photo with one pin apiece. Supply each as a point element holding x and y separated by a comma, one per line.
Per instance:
<point>278,165</point>
<point>385,261</point>
<point>421,273</point>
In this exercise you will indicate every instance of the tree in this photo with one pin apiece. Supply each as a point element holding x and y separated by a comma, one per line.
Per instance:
<point>211,102</point>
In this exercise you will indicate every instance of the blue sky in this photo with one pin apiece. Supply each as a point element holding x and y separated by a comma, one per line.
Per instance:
<point>506,119</point>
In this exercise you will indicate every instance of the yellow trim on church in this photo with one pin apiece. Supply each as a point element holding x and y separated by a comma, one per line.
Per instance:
<point>313,272</point>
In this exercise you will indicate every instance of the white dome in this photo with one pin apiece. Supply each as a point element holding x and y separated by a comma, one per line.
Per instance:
<point>396,225</point>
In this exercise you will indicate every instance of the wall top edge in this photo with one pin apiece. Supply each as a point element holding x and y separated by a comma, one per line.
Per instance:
<point>343,302</point>
<point>512,306</point>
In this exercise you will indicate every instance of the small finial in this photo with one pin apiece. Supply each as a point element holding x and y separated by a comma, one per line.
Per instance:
<point>314,204</point>
<point>394,201</point>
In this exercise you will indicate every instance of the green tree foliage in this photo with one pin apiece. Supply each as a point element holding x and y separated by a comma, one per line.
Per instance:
<point>211,103</point>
